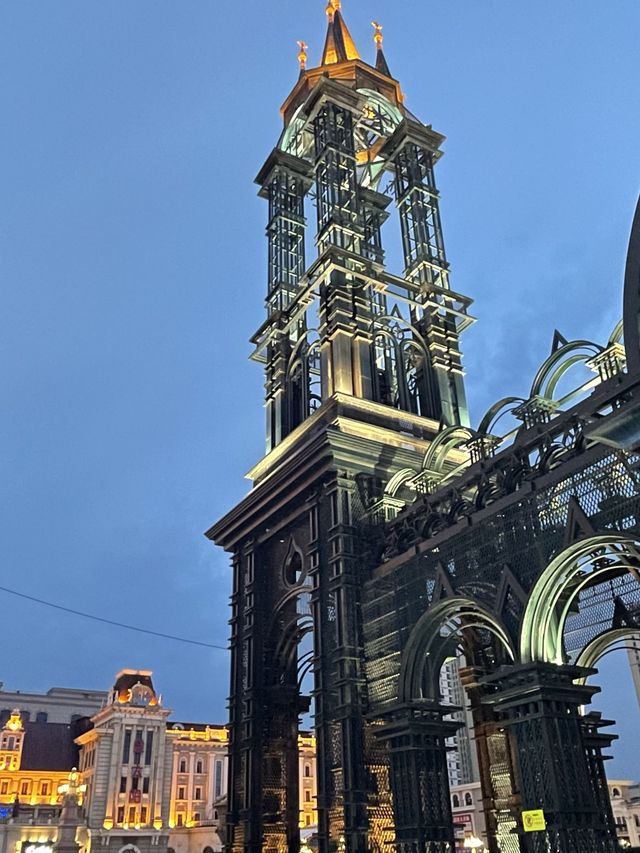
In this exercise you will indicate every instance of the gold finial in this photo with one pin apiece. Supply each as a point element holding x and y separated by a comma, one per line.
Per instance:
<point>330,10</point>
<point>337,5</point>
<point>302,56</point>
<point>377,36</point>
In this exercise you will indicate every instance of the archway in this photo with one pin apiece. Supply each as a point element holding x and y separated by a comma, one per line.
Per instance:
<point>579,568</point>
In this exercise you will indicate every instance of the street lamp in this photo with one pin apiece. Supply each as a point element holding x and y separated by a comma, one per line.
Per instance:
<point>471,842</point>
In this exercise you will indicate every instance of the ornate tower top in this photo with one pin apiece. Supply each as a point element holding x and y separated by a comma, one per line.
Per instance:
<point>342,326</point>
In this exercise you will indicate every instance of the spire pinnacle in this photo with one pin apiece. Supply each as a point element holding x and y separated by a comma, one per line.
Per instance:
<point>381,62</point>
<point>302,55</point>
<point>377,36</point>
<point>339,46</point>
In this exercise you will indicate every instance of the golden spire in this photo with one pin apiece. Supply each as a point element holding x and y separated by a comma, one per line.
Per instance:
<point>339,46</point>
<point>377,36</point>
<point>302,55</point>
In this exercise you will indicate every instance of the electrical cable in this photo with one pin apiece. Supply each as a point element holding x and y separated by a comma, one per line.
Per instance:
<point>111,621</point>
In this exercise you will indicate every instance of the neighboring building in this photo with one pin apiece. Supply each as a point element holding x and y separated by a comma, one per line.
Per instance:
<point>633,656</point>
<point>126,767</point>
<point>57,705</point>
<point>462,761</point>
<point>198,785</point>
<point>625,803</point>
<point>308,783</point>
<point>35,761</point>
<point>468,814</point>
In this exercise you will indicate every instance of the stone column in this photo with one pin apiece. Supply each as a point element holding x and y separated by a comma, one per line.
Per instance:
<point>416,735</point>
<point>539,703</point>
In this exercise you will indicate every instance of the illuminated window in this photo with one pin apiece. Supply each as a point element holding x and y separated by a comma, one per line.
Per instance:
<point>44,789</point>
<point>132,814</point>
<point>143,814</point>
<point>4,787</point>
<point>307,820</point>
<point>179,820</point>
<point>120,817</point>
<point>25,788</point>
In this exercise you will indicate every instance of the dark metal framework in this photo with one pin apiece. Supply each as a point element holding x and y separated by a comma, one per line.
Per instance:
<point>387,531</point>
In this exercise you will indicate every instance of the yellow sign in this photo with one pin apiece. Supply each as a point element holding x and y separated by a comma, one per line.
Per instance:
<point>533,820</point>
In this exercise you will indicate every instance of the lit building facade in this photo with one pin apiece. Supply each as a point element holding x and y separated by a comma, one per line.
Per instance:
<point>307,783</point>
<point>126,767</point>
<point>625,803</point>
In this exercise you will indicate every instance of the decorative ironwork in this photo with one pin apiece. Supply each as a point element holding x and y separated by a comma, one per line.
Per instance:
<point>384,534</point>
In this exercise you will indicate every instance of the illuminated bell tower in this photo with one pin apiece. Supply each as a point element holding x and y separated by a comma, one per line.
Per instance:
<point>363,368</point>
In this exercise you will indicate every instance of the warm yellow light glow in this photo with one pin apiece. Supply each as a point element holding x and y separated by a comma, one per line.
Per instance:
<point>14,723</point>
<point>157,824</point>
<point>108,823</point>
<point>377,36</point>
<point>302,55</point>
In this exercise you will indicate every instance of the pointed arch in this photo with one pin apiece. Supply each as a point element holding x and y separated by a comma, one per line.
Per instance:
<point>451,438</point>
<point>559,362</point>
<point>603,644</point>
<point>578,566</point>
<point>398,480</point>
<point>502,407</point>
<point>435,637</point>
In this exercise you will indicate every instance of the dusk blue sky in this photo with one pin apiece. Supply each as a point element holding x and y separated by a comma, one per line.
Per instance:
<point>133,270</point>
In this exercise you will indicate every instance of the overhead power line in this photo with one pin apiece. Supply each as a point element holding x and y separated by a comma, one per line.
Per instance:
<point>111,621</point>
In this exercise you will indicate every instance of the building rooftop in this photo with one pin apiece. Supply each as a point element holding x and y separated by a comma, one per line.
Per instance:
<point>49,746</point>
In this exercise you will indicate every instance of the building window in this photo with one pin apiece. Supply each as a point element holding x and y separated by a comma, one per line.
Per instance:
<point>123,784</point>
<point>215,814</point>
<point>615,792</point>
<point>126,747</point>
<point>456,801</point>
<point>132,814</point>
<point>143,814</point>
<point>181,792</point>
<point>197,794</point>
<point>468,799</point>
<point>307,820</point>
<point>307,796</point>
<point>199,766</point>
<point>4,787</point>
<point>149,748</point>
<point>145,785</point>
<point>134,783</point>
<point>183,766</point>
<point>179,820</point>
<point>120,817</point>
<point>26,716</point>
<point>42,717</point>
<point>25,788</point>
<point>196,817</point>
<point>44,789</point>
<point>218,784</point>
<point>307,770</point>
